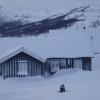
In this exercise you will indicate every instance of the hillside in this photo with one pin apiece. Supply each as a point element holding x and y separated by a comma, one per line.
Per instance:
<point>78,23</point>
<point>28,20</point>
<point>17,29</point>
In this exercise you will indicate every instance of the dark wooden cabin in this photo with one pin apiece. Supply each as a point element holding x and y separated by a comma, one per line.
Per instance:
<point>21,63</point>
<point>55,64</point>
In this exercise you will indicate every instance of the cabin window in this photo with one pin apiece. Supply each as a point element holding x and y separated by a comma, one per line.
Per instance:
<point>78,63</point>
<point>54,65</point>
<point>62,63</point>
<point>69,63</point>
<point>22,67</point>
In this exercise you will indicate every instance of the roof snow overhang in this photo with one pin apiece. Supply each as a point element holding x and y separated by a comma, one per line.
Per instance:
<point>22,49</point>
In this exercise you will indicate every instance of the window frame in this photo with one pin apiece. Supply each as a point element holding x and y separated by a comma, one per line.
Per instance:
<point>23,67</point>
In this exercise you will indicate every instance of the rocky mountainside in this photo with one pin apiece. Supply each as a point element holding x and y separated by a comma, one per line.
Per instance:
<point>19,28</point>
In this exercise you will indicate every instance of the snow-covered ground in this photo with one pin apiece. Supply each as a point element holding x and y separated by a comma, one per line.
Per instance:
<point>81,85</point>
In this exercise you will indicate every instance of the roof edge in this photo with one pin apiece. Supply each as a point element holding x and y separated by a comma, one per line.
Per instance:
<point>22,49</point>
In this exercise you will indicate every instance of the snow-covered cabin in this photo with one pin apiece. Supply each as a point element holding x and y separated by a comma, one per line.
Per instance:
<point>22,62</point>
<point>34,56</point>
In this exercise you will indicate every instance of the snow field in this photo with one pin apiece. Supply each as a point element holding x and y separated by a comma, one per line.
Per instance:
<point>81,85</point>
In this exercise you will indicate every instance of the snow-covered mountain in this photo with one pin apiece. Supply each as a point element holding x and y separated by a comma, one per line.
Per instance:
<point>41,14</point>
<point>30,11</point>
<point>34,10</point>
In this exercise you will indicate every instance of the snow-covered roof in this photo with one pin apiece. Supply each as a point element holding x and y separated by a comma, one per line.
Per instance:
<point>60,43</point>
<point>22,49</point>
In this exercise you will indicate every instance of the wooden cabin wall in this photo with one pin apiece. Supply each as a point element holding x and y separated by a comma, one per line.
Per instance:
<point>64,63</point>
<point>86,63</point>
<point>69,63</point>
<point>10,67</point>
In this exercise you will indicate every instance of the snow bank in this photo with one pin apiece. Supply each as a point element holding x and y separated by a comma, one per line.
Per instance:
<point>80,85</point>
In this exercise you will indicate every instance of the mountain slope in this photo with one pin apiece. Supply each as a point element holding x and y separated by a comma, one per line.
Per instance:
<point>40,27</point>
<point>17,13</point>
<point>38,13</point>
